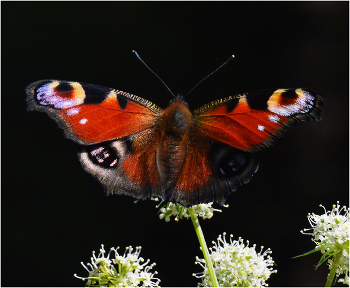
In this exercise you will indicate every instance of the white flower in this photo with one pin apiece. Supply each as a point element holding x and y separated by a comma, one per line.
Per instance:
<point>330,232</point>
<point>129,272</point>
<point>204,211</point>
<point>236,264</point>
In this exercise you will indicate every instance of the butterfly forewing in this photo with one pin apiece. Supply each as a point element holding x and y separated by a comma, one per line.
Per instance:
<point>254,121</point>
<point>89,113</point>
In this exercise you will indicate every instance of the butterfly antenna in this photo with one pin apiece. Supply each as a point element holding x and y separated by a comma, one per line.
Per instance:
<point>137,55</point>
<point>223,64</point>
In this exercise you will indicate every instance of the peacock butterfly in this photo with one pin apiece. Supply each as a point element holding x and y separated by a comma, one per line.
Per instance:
<point>135,148</point>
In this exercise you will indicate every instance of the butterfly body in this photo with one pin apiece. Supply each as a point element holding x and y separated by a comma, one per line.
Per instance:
<point>135,148</point>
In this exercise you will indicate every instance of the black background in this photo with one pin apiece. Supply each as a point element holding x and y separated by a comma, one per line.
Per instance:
<point>54,214</point>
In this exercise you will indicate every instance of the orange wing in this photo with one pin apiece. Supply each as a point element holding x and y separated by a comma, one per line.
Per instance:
<point>253,121</point>
<point>89,113</point>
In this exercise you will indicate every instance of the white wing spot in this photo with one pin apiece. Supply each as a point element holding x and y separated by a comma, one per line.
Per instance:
<point>261,127</point>
<point>67,103</point>
<point>274,118</point>
<point>83,121</point>
<point>73,111</point>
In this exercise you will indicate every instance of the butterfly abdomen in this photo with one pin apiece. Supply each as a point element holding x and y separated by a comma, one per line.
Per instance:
<point>174,125</point>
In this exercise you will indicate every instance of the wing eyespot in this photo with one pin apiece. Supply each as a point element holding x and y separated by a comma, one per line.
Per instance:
<point>232,164</point>
<point>105,155</point>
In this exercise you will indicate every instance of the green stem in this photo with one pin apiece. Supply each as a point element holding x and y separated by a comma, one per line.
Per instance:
<point>204,247</point>
<point>333,269</point>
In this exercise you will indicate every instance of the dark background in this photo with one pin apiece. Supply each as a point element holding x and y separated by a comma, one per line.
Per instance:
<point>54,214</point>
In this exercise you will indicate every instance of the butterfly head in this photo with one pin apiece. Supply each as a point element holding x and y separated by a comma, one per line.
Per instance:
<point>177,97</point>
<point>177,118</point>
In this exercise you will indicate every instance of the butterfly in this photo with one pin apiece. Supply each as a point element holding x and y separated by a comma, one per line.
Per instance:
<point>135,148</point>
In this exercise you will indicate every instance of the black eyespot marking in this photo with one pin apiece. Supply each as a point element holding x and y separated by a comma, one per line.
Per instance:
<point>258,100</point>
<point>94,94</point>
<point>122,101</point>
<point>288,97</point>
<point>65,87</point>
<point>290,94</point>
<point>103,155</point>
<point>230,163</point>
<point>231,104</point>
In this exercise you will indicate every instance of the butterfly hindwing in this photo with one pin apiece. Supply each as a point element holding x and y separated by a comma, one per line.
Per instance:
<point>107,161</point>
<point>211,170</point>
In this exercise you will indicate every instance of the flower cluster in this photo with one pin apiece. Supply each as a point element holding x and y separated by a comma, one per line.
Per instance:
<point>204,211</point>
<point>128,271</point>
<point>330,232</point>
<point>236,264</point>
